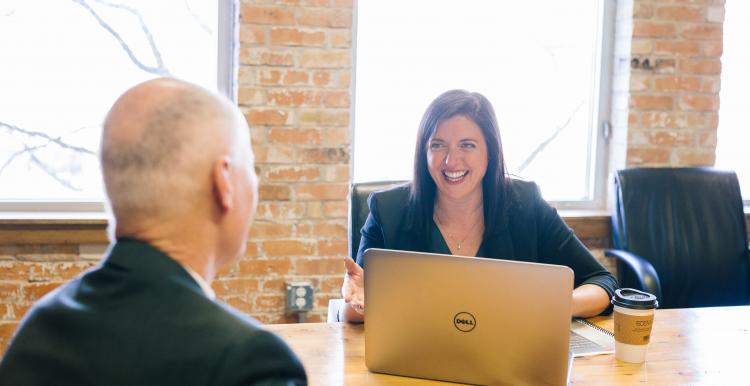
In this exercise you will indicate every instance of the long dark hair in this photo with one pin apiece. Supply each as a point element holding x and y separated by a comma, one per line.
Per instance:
<point>476,107</point>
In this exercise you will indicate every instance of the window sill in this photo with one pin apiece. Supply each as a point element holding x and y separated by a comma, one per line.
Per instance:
<point>49,228</point>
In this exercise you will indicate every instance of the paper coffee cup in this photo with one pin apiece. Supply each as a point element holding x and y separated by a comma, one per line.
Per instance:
<point>634,317</point>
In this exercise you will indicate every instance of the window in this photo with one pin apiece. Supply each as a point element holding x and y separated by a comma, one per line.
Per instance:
<point>65,63</point>
<point>734,115</point>
<point>538,62</point>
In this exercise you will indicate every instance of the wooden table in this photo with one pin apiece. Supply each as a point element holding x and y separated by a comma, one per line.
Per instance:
<point>688,346</point>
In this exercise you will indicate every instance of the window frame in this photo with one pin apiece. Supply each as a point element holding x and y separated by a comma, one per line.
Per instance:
<point>599,169</point>
<point>227,64</point>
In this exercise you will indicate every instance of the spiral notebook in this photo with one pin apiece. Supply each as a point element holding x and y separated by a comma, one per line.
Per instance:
<point>587,339</point>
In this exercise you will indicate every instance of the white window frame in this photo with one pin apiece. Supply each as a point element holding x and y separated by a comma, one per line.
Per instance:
<point>597,175</point>
<point>227,64</point>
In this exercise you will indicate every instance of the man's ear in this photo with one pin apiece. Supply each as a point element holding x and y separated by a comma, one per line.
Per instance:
<point>222,183</point>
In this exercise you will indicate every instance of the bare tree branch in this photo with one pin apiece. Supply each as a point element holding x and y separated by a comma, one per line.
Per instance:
<point>547,141</point>
<point>197,18</point>
<point>58,141</point>
<point>19,153</point>
<point>45,168</point>
<point>160,69</point>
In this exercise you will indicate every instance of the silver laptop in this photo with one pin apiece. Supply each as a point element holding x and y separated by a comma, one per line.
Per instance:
<point>465,319</point>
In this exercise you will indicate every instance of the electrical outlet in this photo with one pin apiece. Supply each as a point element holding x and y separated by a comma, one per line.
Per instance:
<point>299,297</point>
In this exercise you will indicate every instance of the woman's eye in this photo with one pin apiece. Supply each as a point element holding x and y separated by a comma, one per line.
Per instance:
<point>468,145</point>
<point>436,146</point>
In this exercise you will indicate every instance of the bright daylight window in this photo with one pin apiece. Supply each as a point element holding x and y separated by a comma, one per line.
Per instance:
<point>64,62</point>
<point>734,114</point>
<point>538,62</point>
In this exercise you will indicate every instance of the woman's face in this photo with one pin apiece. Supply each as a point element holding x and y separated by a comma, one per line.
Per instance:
<point>457,158</point>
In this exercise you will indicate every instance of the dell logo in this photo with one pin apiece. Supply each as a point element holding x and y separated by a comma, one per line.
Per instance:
<point>464,321</point>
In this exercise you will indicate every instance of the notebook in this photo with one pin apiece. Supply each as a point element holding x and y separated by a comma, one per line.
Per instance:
<point>466,319</point>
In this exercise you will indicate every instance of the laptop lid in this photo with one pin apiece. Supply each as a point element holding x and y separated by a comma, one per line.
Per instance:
<point>466,319</point>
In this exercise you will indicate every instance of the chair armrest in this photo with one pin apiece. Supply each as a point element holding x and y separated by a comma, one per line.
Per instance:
<point>647,277</point>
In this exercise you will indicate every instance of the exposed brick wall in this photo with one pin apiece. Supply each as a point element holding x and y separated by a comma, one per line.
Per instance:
<point>295,80</point>
<point>675,81</point>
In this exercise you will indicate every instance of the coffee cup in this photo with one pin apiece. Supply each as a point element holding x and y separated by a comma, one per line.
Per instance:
<point>634,317</point>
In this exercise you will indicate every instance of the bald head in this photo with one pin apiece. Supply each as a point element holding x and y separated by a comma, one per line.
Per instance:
<point>159,142</point>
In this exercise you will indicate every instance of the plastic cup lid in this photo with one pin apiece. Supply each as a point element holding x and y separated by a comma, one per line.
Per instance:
<point>633,298</point>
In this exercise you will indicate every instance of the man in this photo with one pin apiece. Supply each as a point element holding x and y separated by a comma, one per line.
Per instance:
<point>179,175</point>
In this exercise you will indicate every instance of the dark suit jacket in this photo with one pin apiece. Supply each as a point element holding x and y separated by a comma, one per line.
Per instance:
<point>533,231</point>
<point>141,319</point>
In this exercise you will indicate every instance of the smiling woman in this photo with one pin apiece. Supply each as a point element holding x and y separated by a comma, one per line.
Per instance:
<point>461,201</point>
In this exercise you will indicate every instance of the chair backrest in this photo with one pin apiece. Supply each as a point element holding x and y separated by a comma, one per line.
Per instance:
<point>689,223</point>
<point>358,209</point>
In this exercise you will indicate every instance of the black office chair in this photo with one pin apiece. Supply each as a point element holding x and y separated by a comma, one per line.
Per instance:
<point>358,209</point>
<point>680,234</point>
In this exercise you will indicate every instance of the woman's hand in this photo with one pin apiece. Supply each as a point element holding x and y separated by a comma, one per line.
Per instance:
<point>353,291</point>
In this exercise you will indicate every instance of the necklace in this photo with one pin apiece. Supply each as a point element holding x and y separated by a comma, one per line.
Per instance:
<point>450,236</point>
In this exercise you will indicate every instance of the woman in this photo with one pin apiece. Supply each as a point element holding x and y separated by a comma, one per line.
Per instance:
<point>462,202</point>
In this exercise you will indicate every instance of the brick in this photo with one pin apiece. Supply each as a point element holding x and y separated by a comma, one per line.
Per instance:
<point>711,85</point>
<point>294,98</point>
<point>274,192</point>
<point>642,46</point>
<point>275,285</point>
<point>325,118</point>
<point>270,77</point>
<point>9,291</point>
<point>641,156</point>
<point>335,209</point>
<point>273,211</point>
<point>707,138</point>
<point>341,39</point>
<point>327,229</point>
<point>248,96</point>
<point>344,79</point>
<point>234,286</point>
<point>325,59</point>
<point>343,3</point>
<point>269,57</point>
<point>308,266</point>
<point>321,78</point>
<point>287,247</point>
<point>273,154</point>
<point>699,102</point>
<point>653,29</point>
<point>264,267</point>
<point>296,37</point>
<point>324,155</point>
<point>712,121</point>
<point>246,75</point>
<point>336,99</point>
<point>331,18</point>
<point>331,284</point>
<point>7,329</point>
<point>333,247</point>
<point>338,173</point>
<point>334,191</point>
<point>337,136</point>
<point>34,291</point>
<point>46,257</point>
<point>702,31</point>
<point>694,157</point>
<point>671,138</point>
<point>262,230</point>
<point>294,136</point>
<point>314,210</point>
<point>664,66</point>
<point>633,119</point>
<point>715,14</point>
<point>639,82</point>
<point>652,102</point>
<point>292,173</point>
<point>680,13</point>
<point>258,134</point>
<point>679,48</point>
<point>642,10</point>
<point>267,117</point>
<point>250,34</point>
<point>242,304</point>
<point>265,15</point>
<point>677,83</point>
<point>251,249</point>
<point>705,67</point>
<point>292,78</point>
<point>713,48</point>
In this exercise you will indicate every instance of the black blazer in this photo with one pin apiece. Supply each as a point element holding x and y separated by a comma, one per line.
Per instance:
<point>141,319</point>
<point>533,231</point>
